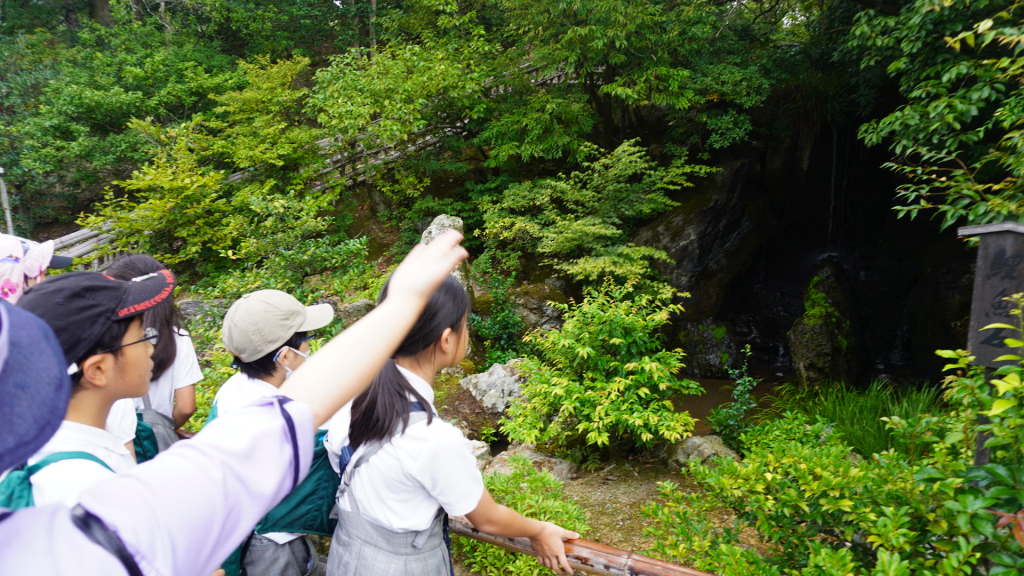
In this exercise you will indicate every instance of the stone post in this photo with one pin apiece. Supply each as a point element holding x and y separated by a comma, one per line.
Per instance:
<point>999,274</point>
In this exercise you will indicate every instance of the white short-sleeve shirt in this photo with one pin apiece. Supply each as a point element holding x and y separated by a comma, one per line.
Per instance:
<point>62,482</point>
<point>121,420</point>
<point>427,467</point>
<point>184,371</point>
<point>236,393</point>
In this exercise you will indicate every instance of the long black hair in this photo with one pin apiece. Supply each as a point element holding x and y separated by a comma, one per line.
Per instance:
<point>164,317</point>
<point>377,411</point>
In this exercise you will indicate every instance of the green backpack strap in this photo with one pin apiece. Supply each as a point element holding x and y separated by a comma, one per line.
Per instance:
<point>16,487</point>
<point>58,456</point>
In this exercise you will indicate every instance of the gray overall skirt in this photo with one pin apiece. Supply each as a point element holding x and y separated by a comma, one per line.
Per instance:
<point>361,547</point>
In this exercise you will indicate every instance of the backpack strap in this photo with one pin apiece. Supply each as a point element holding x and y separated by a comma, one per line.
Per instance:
<point>58,456</point>
<point>101,534</point>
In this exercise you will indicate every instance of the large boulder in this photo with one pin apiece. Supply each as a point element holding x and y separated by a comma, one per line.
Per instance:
<point>534,305</point>
<point>823,341</point>
<point>561,469</point>
<point>712,236</point>
<point>710,346</point>
<point>699,448</point>
<point>349,312</point>
<point>194,309</point>
<point>496,388</point>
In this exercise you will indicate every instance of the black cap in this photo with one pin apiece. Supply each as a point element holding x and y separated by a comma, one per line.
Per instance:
<point>34,385</point>
<point>60,262</point>
<point>81,306</point>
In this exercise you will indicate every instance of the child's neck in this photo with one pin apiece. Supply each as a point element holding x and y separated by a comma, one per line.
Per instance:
<point>89,407</point>
<point>421,367</point>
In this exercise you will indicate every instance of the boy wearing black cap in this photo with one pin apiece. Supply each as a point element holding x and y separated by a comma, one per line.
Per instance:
<point>98,322</point>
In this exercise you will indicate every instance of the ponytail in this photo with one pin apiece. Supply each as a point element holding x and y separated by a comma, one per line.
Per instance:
<point>377,412</point>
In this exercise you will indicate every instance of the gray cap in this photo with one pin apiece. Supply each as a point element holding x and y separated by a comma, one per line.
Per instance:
<point>261,322</point>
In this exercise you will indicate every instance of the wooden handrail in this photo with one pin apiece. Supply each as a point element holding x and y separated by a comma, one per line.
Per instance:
<point>584,555</point>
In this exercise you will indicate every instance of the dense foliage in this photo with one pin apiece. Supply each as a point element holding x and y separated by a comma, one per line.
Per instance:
<point>603,378</point>
<point>819,508</point>
<point>958,137</point>
<point>529,491</point>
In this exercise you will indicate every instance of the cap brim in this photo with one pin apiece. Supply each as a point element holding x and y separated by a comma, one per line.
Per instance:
<point>145,292</point>
<point>317,316</point>
<point>60,262</point>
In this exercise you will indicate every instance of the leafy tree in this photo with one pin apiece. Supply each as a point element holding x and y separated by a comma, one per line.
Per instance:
<point>184,208</point>
<point>958,137</point>
<point>68,108</point>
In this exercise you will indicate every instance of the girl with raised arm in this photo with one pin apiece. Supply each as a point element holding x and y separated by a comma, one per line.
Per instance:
<point>409,469</point>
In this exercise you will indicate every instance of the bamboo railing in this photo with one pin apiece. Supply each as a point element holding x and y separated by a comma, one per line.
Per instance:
<point>583,555</point>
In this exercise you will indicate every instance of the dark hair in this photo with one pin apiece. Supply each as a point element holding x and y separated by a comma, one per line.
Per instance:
<point>265,366</point>
<point>164,317</point>
<point>112,337</point>
<point>377,411</point>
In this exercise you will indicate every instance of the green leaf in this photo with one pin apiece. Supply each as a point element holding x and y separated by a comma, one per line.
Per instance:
<point>1000,406</point>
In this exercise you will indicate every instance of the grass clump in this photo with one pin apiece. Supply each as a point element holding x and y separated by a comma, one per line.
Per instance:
<point>860,417</point>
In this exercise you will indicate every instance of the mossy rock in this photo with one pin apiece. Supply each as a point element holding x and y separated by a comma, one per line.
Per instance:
<point>823,341</point>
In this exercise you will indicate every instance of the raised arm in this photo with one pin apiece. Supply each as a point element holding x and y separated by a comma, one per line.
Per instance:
<point>346,365</point>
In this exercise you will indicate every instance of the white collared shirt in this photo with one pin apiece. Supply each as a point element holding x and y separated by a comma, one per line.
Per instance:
<point>402,485</point>
<point>236,393</point>
<point>61,482</point>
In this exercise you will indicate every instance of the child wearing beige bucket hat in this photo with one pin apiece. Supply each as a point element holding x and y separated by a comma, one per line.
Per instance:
<point>268,333</point>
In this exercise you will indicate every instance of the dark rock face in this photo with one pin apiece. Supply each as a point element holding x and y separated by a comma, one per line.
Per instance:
<point>350,312</point>
<point>534,308</point>
<point>823,340</point>
<point>712,236</point>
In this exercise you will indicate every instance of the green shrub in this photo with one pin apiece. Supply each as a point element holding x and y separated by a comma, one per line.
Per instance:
<point>821,510</point>
<point>731,420</point>
<point>500,327</point>
<point>579,222</point>
<point>533,493</point>
<point>603,377</point>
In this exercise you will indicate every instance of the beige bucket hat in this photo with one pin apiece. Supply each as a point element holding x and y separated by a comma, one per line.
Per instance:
<point>261,322</point>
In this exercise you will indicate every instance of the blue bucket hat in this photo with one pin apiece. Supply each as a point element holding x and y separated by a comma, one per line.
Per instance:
<point>34,385</point>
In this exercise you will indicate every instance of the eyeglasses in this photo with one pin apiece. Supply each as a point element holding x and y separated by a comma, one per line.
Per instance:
<point>150,334</point>
<point>308,337</point>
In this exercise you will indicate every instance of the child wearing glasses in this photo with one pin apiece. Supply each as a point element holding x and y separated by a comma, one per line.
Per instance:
<point>98,321</point>
<point>267,332</point>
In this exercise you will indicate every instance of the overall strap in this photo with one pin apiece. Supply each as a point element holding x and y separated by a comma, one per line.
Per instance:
<point>416,414</point>
<point>146,403</point>
<point>58,456</point>
<point>95,530</point>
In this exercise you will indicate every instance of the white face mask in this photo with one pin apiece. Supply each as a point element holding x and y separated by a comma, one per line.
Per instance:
<point>288,371</point>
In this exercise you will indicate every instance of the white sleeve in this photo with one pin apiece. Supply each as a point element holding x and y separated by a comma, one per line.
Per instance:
<point>186,365</point>
<point>62,482</point>
<point>186,510</point>
<point>337,434</point>
<point>121,420</point>
<point>447,470</point>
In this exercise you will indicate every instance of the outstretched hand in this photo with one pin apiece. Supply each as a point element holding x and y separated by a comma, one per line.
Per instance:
<point>550,549</point>
<point>427,266</point>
